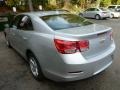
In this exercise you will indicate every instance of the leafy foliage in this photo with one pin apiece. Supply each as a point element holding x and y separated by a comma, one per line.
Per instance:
<point>105,2</point>
<point>73,5</point>
<point>118,2</point>
<point>12,3</point>
<point>76,2</point>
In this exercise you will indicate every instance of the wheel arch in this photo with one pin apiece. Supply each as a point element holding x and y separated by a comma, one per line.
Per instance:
<point>98,15</point>
<point>28,51</point>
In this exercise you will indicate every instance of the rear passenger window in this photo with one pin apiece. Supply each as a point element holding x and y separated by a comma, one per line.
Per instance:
<point>25,24</point>
<point>91,9</point>
<point>88,9</point>
<point>16,21</point>
<point>96,9</point>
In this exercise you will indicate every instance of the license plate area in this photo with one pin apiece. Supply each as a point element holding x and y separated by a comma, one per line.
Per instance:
<point>103,64</point>
<point>102,37</point>
<point>102,34</point>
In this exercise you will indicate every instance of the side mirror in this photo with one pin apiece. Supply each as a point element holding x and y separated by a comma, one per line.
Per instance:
<point>6,25</point>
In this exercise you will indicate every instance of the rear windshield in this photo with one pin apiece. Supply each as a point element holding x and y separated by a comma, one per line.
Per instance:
<point>64,21</point>
<point>111,7</point>
<point>118,7</point>
<point>103,9</point>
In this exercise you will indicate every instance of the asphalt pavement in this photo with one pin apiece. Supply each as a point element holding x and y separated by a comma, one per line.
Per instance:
<point>15,73</point>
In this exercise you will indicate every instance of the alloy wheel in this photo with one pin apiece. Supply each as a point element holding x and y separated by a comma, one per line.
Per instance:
<point>33,66</point>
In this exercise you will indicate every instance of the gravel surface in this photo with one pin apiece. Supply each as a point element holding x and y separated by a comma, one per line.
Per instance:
<point>15,73</point>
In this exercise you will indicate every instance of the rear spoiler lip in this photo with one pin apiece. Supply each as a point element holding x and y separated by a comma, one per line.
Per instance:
<point>84,35</point>
<point>103,31</point>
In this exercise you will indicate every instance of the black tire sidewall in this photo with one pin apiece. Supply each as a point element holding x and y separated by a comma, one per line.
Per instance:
<point>97,16</point>
<point>40,74</point>
<point>8,43</point>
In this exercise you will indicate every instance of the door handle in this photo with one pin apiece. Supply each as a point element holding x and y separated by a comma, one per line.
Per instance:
<point>24,38</point>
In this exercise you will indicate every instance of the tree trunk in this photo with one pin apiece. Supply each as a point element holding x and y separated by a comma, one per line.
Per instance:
<point>98,3</point>
<point>52,2</point>
<point>66,3</point>
<point>30,5</point>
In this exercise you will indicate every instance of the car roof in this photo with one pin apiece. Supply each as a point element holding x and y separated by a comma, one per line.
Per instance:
<point>45,13</point>
<point>114,5</point>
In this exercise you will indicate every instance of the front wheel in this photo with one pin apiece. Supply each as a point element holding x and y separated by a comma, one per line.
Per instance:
<point>35,67</point>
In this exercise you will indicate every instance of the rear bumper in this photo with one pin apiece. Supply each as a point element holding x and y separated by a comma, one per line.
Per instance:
<point>84,70</point>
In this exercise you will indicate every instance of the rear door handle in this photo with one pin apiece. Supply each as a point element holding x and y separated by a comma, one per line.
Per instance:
<point>24,38</point>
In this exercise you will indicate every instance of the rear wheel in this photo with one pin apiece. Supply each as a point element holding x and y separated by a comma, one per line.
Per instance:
<point>35,67</point>
<point>97,17</point>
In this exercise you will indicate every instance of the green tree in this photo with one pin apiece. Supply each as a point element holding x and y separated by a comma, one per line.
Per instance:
<point>12,3</point>
<point>66,3</point>
<point>118,2</point>
<point>105,3</point>
<point>76,2</point>
<point>36,3</point>
<point>114,1</point>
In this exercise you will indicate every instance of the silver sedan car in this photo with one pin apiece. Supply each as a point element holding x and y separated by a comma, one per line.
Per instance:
<point>61,46</point>
<point>114,14</point>
<point>97,13</point>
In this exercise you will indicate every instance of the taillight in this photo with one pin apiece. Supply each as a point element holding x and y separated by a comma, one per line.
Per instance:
<point>69,47</point>
<point>83,45</point>
<point>65,47</point>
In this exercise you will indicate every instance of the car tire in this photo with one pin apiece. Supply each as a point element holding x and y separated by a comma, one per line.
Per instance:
<point>8,43</point>
<point>35,67</point>
<point>97,17</point>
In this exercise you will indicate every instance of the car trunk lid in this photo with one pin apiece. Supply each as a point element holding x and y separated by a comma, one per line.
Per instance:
<point>98,36</point>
